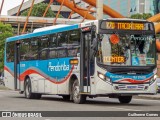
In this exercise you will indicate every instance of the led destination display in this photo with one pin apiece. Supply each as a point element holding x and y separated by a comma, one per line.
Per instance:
<point>117,25</point>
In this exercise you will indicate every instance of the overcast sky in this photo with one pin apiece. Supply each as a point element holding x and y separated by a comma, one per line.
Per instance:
<point>8,4</point>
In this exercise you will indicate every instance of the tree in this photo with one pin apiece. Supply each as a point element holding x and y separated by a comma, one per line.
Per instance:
<point>5,32</point>
<point>38,11</point>
<point>141,16</point>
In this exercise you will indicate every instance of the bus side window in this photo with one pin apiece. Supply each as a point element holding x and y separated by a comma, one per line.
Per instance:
<point>24,47</point>
<point>62,39</point>
<point>43,47</point>
<point>53,41</point>
<point>34,48</point>
<point>73,43</point>
<point>52,53</point>
<point>52,46</point>
<point>74,38</point>
<point>10,51</point>
<point>61,53</point>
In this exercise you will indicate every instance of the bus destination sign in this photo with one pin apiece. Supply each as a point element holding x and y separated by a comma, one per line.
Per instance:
<point>118,25</point>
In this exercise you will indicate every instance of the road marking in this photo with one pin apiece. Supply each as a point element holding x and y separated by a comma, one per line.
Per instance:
<point>124,109</point>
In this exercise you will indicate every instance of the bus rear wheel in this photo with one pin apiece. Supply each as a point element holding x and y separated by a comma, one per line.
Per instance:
<point>28,91</point>
<point>77,97</point>
<point>125,99</point>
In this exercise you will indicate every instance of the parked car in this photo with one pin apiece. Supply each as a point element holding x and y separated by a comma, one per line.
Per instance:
<point>158,85</point>
<point>1,78</point>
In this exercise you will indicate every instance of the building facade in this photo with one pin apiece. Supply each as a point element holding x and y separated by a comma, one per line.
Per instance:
<point>156,5</point>
<point>125,7</point>
<point>54,7</point>
<point>130,7</point>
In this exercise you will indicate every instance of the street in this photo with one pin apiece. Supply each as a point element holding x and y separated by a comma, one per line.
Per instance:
<point>13,101</point>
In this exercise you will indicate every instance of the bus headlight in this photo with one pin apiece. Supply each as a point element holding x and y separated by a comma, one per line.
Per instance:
<point>153,79</point>
<point>155,76</point>
<point>103,77</point>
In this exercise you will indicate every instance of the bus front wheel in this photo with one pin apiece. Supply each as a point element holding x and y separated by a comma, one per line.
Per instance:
<point>125,99</point>
<point>77,97</point>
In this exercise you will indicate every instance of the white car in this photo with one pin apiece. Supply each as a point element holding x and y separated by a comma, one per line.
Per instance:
<point>1,79</point>
<point>158,85</point>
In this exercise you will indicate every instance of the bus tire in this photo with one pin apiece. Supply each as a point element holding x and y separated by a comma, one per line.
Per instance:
<point>125,99</point>
<point>28,89</point>
<point>77,97</point>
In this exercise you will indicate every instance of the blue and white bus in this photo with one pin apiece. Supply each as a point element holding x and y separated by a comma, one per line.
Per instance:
<point>115,58</point>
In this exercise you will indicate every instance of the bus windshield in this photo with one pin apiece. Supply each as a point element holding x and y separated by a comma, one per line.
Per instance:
<point>127,49</point>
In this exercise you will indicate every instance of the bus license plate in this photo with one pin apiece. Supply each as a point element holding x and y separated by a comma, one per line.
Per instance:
<point>131,87</point>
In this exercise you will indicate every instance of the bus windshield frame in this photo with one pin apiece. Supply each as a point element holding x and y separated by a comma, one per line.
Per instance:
<point>130,33</point>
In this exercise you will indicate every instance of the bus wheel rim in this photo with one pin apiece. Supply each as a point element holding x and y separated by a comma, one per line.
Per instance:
<point>27,90</point>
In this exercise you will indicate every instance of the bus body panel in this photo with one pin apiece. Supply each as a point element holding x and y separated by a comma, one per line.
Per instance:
<point>108,87</point>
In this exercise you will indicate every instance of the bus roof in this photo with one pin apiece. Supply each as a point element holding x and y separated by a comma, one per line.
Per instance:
<point>42,31</point>
<point>49,28</point>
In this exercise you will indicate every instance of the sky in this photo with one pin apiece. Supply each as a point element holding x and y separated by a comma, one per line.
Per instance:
<point>8,4</point>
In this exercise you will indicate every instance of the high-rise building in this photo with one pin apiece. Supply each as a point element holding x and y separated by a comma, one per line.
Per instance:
<point>156,4</point>
<point>130,7</point>
<point>125,7</point>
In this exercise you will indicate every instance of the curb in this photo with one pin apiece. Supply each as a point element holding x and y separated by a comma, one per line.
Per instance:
<point>151,97</point>
<point>4,88</point>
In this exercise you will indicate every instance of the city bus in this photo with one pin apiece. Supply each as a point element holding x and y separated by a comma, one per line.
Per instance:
<point>115,58</point>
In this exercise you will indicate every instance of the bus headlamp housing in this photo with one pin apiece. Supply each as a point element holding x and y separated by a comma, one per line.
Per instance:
<point>103,77</point>
<point>153,79</point>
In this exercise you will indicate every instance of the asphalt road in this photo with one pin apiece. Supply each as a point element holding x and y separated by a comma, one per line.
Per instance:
<point>13,101</point>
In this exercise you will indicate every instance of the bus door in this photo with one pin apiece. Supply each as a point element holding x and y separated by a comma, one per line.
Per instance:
<point>17,66</point>
<point>85,59</point>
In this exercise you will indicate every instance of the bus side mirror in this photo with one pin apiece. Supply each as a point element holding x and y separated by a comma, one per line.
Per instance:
<point>100,37</point>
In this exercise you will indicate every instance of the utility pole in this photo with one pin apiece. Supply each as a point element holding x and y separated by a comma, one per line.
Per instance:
<point>99,6</point>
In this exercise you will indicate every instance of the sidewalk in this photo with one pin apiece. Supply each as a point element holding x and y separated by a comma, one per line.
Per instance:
<point>152,97</point>
<point>3,88</point>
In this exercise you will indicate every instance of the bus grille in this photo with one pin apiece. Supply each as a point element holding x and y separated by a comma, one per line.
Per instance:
<point>131,87</point>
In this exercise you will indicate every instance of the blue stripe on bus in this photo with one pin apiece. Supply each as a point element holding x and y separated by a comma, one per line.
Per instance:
<point>66,28</point>
<point>53,68</point>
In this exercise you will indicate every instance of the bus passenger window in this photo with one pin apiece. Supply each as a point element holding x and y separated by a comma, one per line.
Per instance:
<point>43,54</point>
<point>61,53</point>
<point>72,52</point>
<point>43,47</point>
<point>52,53</point>
<point>33,52</point>
<point>10,52</point>
<point>53,41</point>
<point>24,47</point>
<point>29,49</point>
<point>74,38</point>
<point>62,39</point>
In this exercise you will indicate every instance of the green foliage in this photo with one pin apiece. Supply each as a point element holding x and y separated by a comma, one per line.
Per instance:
<point>5,32</point>
<point>38,11</point>
<point>141,16</point>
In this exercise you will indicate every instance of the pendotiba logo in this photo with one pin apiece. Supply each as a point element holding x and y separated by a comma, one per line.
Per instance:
<point>145,38</point>
<point>58,67</point>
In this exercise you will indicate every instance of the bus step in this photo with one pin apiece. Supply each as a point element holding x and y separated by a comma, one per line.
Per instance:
<point>85,93</point>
